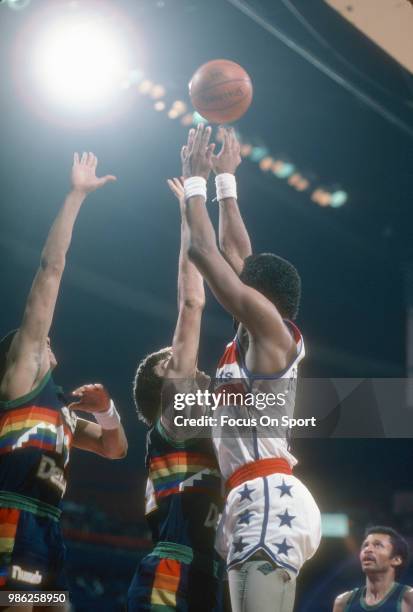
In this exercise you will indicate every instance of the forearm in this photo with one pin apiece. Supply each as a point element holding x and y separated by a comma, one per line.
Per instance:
<point>202,238</point>
<point>234,239</point>
<point>191,293</point>
<point>114,443</point>
<point>41,301</point>
<point>92,437</point>
<point>60,235</point>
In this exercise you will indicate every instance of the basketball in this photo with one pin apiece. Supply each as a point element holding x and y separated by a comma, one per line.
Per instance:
<point>221,91</point>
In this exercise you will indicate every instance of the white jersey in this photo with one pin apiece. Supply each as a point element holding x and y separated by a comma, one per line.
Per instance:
<point>232,375</point>
<point>274,514</point>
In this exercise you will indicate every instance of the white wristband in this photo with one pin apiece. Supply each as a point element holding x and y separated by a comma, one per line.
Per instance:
<point>226,186</point>
<point>109,419</point>
<point>195,186</point>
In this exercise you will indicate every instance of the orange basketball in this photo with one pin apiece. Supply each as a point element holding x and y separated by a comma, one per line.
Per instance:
<point>221,91</point>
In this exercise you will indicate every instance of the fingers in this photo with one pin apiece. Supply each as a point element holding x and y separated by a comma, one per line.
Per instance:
<point>206,135</point>
<point>234,140</point>
<point>84,388</point>
<point>201,138</point>
<point>176,186</point>
<point>191,137</point>
<point>89,159</point>
<point>184,153</point>
<point>109,178</point>
<point>172,187</point>
<point>92,160</point>
<point>197,138</point>
<point>79,391</point>
<point>209,152</point>
<point>223,146</point>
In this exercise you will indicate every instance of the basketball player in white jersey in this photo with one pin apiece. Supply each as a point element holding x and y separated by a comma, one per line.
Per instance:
<point>271,523</point>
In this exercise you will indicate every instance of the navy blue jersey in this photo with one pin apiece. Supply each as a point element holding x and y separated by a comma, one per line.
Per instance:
<point>391,603</point>
<point>183,496</point>
<point>36,433</point>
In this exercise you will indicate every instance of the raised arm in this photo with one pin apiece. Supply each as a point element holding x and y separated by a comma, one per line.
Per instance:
<point>191,302</point>
<point>29,357</point>
<point>234,241</point>
<point>248,306</point>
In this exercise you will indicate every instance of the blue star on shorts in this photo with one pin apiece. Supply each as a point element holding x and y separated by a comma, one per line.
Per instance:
<point>283,547</point>
<point>285,519</point>
<point>239,546</point>
<point>285,489</point>
<point>244,517</point>
<point>245,493</point>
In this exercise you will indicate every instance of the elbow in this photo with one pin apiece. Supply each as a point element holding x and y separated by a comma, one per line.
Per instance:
<point>119,452</point>
<point>192,303</point>
<point>197,253</point>
<point>52,265</point>
<point>227,250</point>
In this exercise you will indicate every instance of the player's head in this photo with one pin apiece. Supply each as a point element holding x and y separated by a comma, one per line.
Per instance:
<point>277,279</point>
<point>5,344</point>
<point>147,386</point>
<point>383,550</point>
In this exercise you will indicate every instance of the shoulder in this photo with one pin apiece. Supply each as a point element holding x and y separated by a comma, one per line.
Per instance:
<point>408,596</point>
<point>342,600</point>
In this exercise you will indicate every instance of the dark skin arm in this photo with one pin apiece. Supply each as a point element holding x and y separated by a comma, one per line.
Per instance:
<point>271,346</point>
<point>234,241</point>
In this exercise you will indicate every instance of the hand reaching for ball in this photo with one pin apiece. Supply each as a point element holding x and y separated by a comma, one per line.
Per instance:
<point>229,157</point>
<point>84,179</point>
<point>196,155</point>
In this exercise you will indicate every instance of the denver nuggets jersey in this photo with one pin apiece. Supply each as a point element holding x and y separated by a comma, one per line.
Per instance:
<point>236,447</point>
<point>391,603</point>
<point>183,495</point>
<point>36,434</point>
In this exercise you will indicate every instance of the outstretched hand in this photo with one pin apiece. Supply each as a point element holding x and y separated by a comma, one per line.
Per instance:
<point>84,179</point>
<point>176,185</point>
<point>196,155</point>
<point>229,157</point>
<point>92,398</point>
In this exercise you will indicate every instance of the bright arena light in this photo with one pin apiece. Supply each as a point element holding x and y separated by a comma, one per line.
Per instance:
<point>81,63</point>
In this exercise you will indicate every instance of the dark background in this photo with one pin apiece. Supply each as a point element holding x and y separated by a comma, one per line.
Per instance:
<point>118,296</point>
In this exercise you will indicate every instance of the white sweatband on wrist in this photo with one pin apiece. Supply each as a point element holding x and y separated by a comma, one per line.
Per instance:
<point>226,186</point>
<point>109,419</point>
<point>195,186</point>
